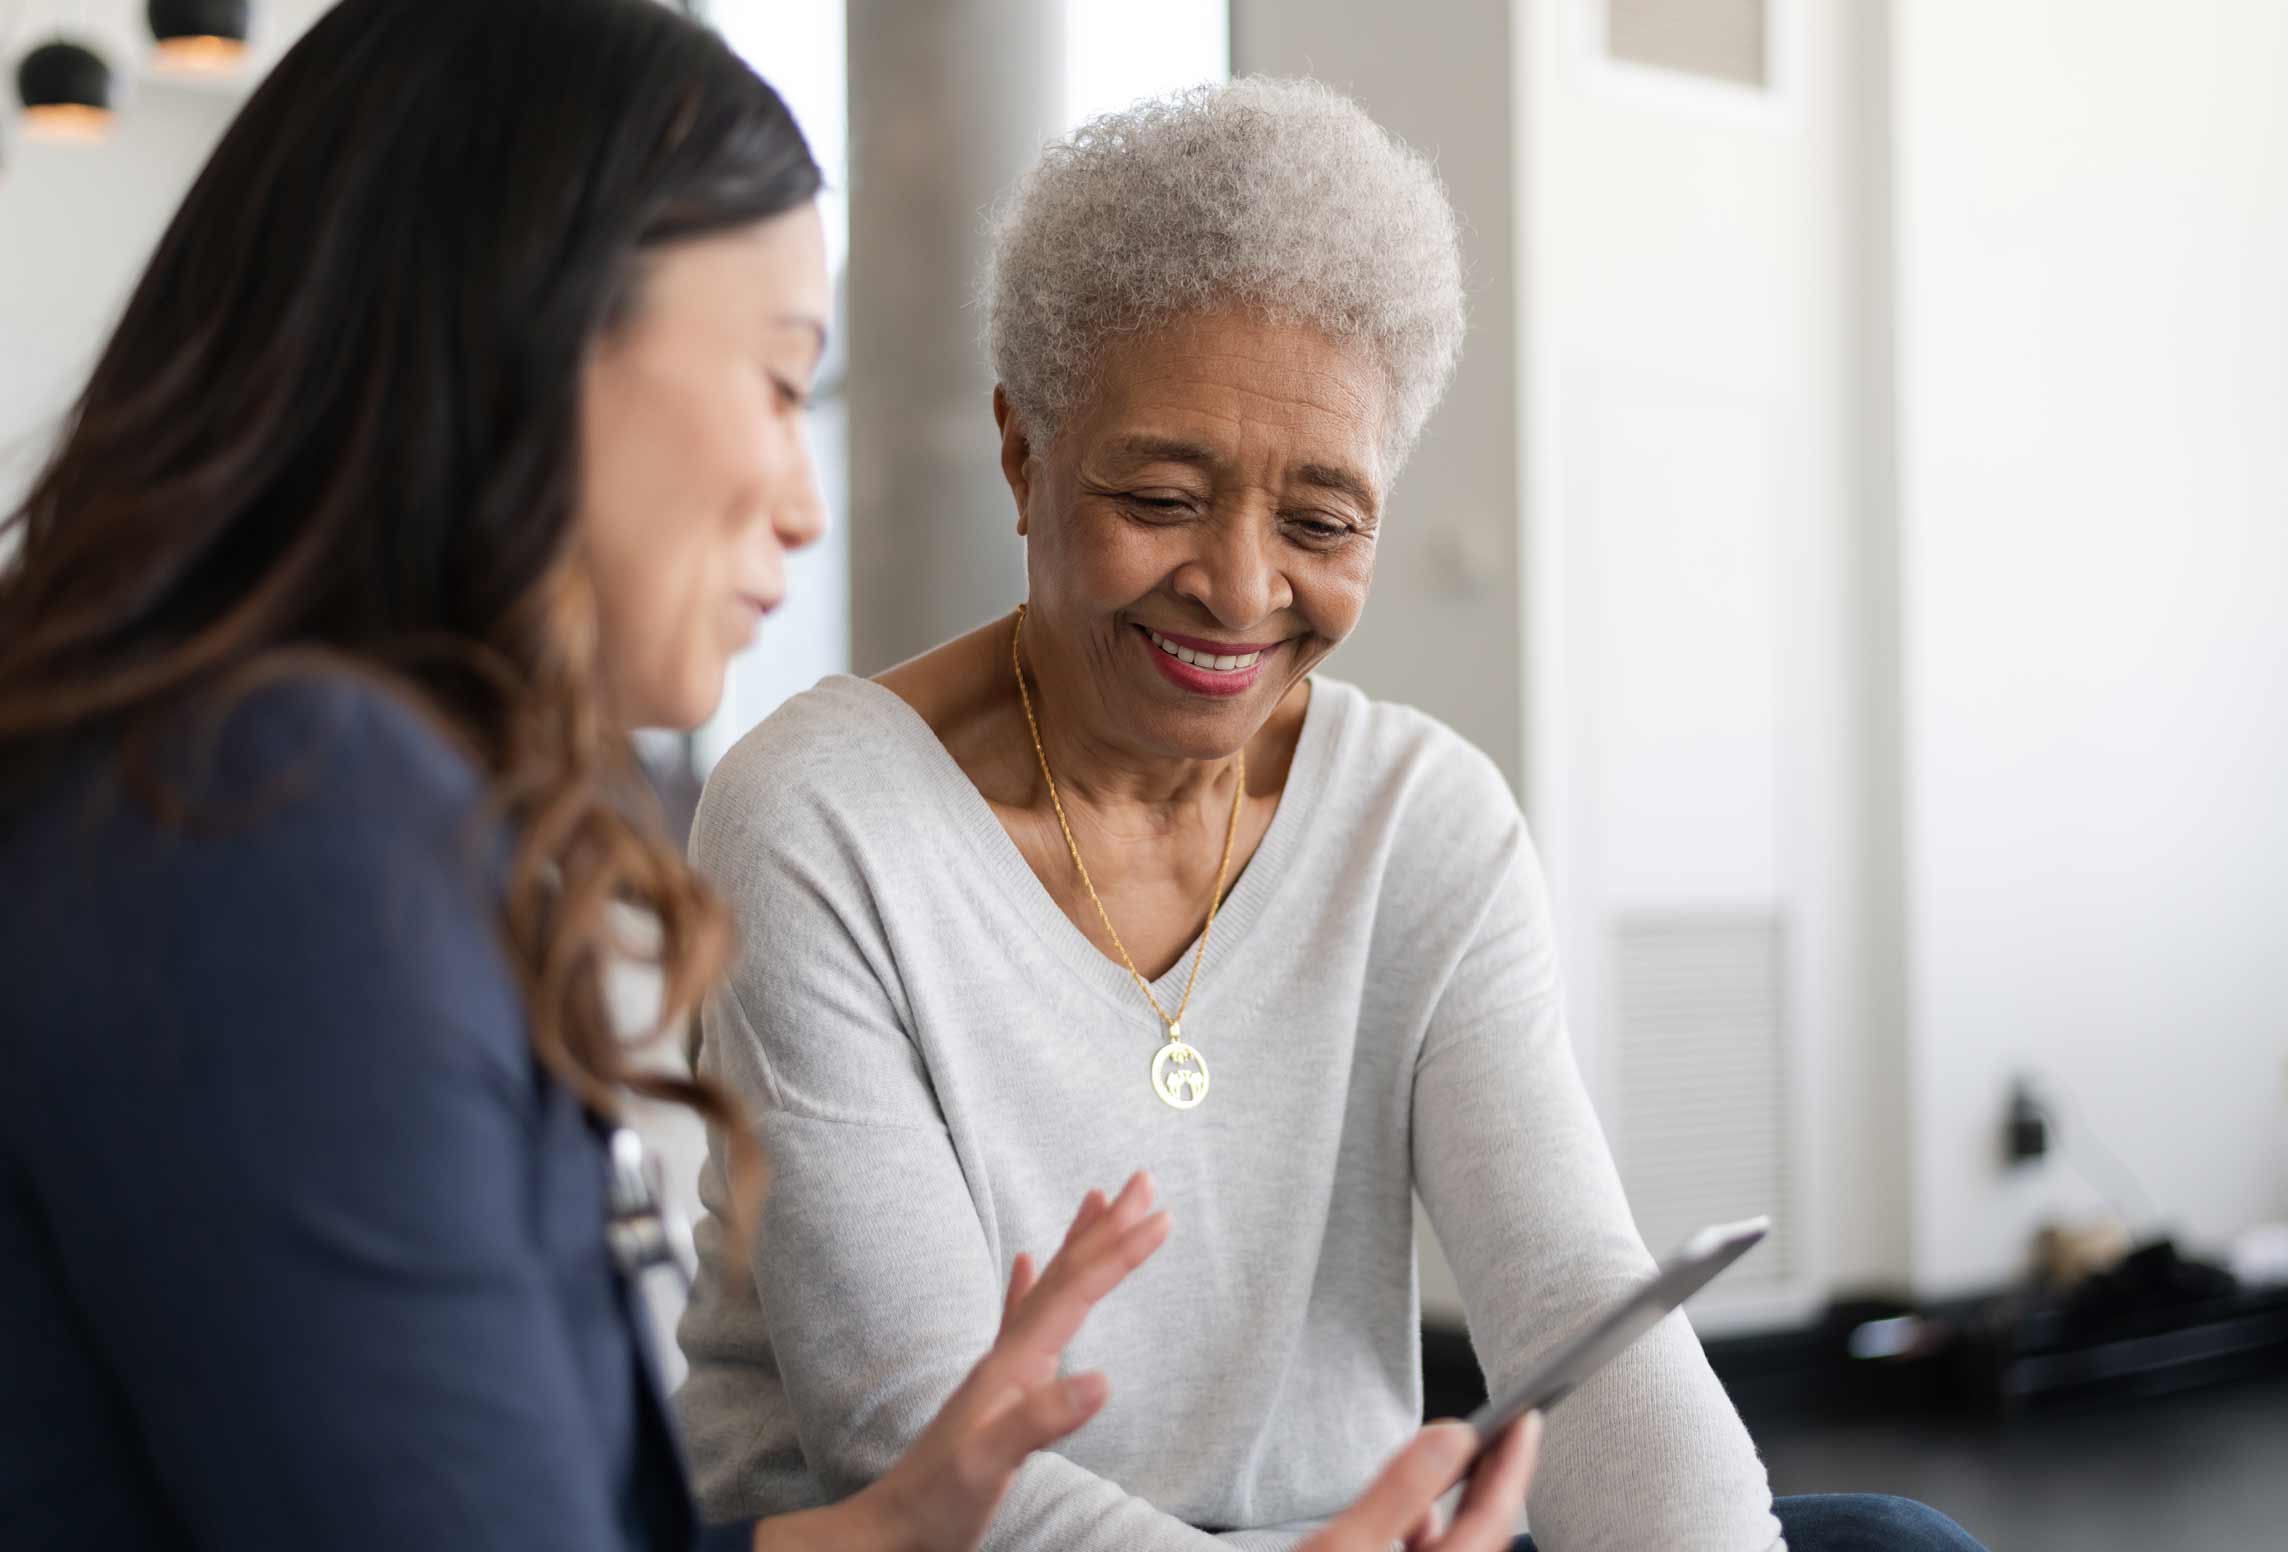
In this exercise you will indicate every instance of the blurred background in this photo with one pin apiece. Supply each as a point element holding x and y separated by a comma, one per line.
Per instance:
<point>1859,529</point>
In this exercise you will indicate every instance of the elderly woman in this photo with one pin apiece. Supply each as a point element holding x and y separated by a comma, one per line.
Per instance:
<point>1120,878</point>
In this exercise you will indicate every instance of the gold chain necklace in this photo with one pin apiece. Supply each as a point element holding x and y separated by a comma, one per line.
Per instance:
<point>1179,1072</point>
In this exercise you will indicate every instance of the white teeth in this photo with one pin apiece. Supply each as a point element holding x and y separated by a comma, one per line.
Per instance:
<point>1213,663</point>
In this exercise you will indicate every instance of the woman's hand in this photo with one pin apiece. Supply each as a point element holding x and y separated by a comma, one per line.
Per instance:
<point>1402,1505</point>
<point>941,1494</point>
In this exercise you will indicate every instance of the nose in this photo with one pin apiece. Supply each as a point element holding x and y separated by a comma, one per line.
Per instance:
<point>801,522</point>
<point>798,518</point>
<point>1237,575</point>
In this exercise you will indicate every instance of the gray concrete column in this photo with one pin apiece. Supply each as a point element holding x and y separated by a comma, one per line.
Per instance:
<point>950,100</point>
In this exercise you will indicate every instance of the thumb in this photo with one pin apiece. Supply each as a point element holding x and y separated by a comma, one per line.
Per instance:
<point>1044,1415</point>
<point>1412,1481</point>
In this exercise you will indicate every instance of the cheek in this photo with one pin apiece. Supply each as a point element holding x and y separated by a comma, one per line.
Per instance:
<point>665,484</point>
<point>1102,558</point>
<point>1331,589</point>
<point>668,442</point>
<point>647,605</point>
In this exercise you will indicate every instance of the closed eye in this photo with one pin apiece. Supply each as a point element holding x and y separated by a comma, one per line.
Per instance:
<point>1157,508</point>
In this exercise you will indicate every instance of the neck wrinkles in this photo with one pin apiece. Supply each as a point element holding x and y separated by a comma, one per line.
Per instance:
<point>1124,793</point>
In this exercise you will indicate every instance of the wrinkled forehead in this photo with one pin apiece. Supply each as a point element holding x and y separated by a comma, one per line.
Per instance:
<point>1238,397</point>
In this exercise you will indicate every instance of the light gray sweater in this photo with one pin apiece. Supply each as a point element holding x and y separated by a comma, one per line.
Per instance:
<point>940,1064</point>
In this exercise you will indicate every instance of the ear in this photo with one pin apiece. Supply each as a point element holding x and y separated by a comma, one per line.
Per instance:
<point>1016,453</point>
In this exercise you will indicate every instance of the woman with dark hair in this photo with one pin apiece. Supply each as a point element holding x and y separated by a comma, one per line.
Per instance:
<point>453,429</point>
<point>449,433</point>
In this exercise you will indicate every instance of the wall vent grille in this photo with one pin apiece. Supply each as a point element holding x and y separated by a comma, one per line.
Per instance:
<point>1702,1132</point>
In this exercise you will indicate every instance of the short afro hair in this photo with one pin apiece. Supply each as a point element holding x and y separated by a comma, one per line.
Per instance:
<point>1277,197</point>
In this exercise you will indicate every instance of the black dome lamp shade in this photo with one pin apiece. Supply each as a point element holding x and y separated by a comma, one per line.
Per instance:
<point>201,35</point>
<point>66,91</point>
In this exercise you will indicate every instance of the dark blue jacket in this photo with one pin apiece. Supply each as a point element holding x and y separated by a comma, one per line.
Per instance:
<point>298,1247</point>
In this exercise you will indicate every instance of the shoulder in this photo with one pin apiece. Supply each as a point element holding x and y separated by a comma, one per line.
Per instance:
<point>832,762</point>
<point>250,782</point>
<point>332,789</point>
<point>337,743</point>
<point>1437,828</point>
<point>330,865</point>
<point>364,882</point>
<point>1416,772</point>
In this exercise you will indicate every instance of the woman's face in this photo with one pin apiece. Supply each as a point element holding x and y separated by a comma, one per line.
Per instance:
<point>1217,501</point>
<point>696,480</point>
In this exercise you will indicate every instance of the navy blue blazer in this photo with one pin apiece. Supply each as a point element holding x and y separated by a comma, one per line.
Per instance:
<point>298,1246</point>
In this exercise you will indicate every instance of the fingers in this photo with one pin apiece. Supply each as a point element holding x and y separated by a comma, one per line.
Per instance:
<point>1070,1286</point>
<point>1134,1200</point>
<point>943,1490</point>
<point>1402,1503</point>
<point>1092,1207</point>
<point>1023,1275</point>
<point>1101,1249</point>
<point>1044,1415</point>
<point>1021,1280</point>
<point>1402,1497</point>
<point>1487,1520</point>
<point>1106,1242</point>
<point>1088,1240</point>
<point>1012,1403</point>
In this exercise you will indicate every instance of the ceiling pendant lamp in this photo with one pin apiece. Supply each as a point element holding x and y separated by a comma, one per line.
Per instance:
<point>66,91</point>
<point>198,35</point>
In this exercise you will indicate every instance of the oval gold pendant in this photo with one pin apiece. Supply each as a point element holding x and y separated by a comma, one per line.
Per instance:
<point>1180,1075</point>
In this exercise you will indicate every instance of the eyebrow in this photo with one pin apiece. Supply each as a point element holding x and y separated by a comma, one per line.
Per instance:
<point>1167,449</point>
<point>1328,477</point>
<point>1324,476</point>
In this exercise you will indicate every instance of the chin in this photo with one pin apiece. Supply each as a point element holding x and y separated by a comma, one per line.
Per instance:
<point>695,712</point>
<point>1210,732</point>
<point>688,706</point>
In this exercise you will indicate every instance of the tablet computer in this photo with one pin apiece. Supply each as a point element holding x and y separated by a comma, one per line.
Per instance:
<point>1604,1336</point>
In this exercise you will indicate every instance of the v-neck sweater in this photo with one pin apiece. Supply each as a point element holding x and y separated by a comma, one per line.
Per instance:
<point>939,1063</point>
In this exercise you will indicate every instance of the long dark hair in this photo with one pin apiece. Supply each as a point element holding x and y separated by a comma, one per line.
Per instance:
<point>338,423</point>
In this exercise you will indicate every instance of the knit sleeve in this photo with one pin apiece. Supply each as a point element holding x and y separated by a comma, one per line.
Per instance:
<point>1521,1187</point>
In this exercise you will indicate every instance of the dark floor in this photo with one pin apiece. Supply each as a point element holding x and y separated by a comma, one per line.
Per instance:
<point>2200,1471</point>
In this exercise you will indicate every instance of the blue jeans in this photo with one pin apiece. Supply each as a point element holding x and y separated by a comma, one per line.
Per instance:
<point>1857,1522</point>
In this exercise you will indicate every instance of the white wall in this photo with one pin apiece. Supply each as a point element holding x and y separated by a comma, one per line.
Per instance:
<point>1907,550</point>
<point>1701,435</point>
<point>2093,235</point>
<point>76,225</point>
<point>802,50</point>
<point>77,222</point>
<point>1635,519</point>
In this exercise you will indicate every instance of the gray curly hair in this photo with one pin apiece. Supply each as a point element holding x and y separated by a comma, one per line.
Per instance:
<point>1277,197</point>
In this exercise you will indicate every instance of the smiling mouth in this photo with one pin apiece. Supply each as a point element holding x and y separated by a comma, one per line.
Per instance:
<point>1208,662</point>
